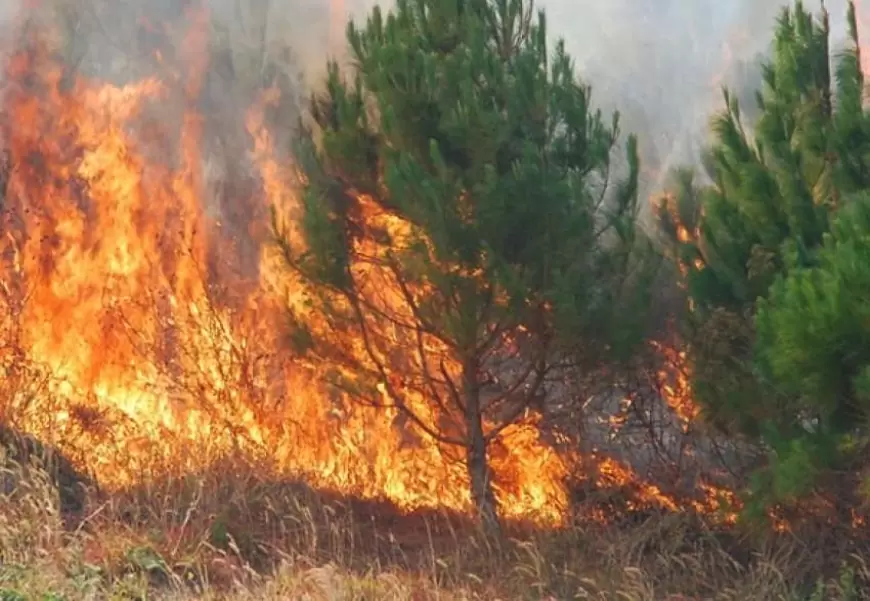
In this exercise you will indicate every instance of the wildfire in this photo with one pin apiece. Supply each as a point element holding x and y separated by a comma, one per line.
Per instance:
<point>135,339</point>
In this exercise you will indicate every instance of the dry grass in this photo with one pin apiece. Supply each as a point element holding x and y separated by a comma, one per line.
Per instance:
<point>220,536</point>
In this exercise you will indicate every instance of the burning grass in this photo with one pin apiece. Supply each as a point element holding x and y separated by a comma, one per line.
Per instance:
<point>228,534</point>
<point>143,311</point>
<point>141,295</point>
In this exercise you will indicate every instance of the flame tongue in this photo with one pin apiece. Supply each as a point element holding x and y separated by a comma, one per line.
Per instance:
<point>161,350</point>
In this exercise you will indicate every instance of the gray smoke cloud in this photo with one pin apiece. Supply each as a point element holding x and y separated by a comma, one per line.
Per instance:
<point>9,11</point>
<point>661,64</point>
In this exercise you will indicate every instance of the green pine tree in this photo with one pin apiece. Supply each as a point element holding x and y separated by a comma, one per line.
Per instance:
<point>773,187</point>
<point>813,346</point>
<point>464,237</point>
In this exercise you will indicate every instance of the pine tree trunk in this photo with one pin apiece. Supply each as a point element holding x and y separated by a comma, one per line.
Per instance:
<point>476,456</point>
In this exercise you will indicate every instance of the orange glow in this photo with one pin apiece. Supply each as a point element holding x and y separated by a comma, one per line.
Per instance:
<point>684,235</point>
<point>719,504</point>
<point>158,358</point>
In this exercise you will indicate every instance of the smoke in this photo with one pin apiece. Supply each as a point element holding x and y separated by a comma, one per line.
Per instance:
<point>10,11</point>
<point>661,64</point>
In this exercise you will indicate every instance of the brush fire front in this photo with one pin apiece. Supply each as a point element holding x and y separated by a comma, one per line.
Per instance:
<point>144,320</point>
<point>156,352</point>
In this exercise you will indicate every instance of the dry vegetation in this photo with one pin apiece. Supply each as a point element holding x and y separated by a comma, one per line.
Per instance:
<point>222,535</point>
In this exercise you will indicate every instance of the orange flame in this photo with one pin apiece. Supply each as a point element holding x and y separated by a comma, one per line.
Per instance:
<point>158,357</point>
<point>673,382</point>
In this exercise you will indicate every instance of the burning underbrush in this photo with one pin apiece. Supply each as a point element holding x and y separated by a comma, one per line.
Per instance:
<point>143,330</point>
<point>143,324</point>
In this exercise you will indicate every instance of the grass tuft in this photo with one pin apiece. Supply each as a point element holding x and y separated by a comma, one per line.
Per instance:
<point>227,534</point>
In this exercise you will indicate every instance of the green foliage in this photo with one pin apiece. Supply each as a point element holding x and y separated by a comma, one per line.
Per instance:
<point>813,336</point>
<point>775,326</point>
<point>459,121</point>
<point>147,560</point>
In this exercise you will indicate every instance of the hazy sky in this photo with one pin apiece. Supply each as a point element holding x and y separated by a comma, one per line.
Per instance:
<point>662,63</point>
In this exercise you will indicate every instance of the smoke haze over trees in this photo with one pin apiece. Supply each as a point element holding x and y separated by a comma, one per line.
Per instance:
<point>661,64</point>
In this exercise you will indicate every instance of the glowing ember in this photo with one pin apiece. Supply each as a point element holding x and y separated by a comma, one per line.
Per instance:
<point>674,385</point>
<point>159,358</point>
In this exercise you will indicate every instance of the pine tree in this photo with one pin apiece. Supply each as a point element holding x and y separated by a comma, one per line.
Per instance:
<point>464,237</point>
<point>773,189</point>
<point>813,345</point>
